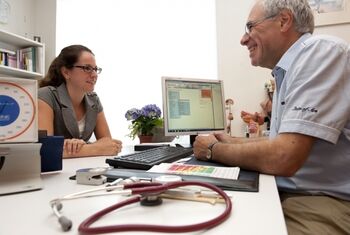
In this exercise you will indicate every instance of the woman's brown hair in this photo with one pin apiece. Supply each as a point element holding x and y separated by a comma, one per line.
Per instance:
<point>67,58</point>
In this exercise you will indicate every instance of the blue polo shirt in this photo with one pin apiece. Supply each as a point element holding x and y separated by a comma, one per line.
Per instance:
<point>313,98</point>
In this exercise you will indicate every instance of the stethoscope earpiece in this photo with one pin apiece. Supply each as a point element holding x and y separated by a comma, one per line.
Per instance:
<point>66,223</point>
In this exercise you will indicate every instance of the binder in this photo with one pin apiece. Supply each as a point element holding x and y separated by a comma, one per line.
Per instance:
<point>248,181</point>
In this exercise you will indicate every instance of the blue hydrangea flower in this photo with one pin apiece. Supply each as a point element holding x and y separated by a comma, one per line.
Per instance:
<point>151,111</point>
<point>133,114</point>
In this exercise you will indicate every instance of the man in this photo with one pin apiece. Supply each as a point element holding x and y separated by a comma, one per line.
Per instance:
<point>309,144</point>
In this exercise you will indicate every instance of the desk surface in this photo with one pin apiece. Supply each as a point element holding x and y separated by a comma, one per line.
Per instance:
<point>30,213</point>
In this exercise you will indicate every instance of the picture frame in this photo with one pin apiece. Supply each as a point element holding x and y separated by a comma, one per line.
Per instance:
<point>330,12</point>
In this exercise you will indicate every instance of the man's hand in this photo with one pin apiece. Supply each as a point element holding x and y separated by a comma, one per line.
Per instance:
<point>200,146</point>
<point>224,138</point>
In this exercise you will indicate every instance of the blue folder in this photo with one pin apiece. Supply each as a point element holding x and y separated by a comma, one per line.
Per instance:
<point>51,153</point>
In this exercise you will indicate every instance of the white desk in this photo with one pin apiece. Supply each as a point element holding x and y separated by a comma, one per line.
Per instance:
<point>30,213</point>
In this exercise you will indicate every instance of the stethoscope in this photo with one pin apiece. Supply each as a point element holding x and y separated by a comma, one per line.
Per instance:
<point>148,194</point>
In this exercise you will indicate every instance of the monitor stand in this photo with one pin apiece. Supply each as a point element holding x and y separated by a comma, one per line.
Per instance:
<point>192,139</point>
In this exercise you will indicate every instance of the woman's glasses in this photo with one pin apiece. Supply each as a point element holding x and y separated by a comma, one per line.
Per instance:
<point>88,68</point>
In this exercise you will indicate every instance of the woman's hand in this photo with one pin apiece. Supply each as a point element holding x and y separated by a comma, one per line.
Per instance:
<point>105,146</point>
<point>109,146</point>
<point>73,146</point>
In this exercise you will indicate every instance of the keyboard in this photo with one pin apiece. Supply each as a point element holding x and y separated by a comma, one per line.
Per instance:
<point>146,159</point>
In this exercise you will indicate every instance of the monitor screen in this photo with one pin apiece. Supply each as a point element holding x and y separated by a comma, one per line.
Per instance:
<point>193,106</point>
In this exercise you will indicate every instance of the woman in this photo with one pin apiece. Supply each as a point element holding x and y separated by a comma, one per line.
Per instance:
<point>69,107</point>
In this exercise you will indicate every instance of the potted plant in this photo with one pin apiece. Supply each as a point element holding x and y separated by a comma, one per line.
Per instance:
<point>144,121</point>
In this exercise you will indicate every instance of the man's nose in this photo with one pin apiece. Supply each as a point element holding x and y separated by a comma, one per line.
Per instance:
<point>244,39</point>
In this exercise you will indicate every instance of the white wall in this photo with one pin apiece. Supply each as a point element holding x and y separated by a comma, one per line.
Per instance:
<point>243,82</point>
<point>136,42</point>
<point>45,27</point>
<point>341,30</point>
<point>21,20</point>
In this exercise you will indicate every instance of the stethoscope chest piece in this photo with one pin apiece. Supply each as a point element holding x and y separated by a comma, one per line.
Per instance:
<point>153,200</point>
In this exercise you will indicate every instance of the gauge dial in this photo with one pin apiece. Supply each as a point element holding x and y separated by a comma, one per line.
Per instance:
<point>17,110</point>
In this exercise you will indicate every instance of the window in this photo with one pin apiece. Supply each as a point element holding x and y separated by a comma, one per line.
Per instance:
<point>136,42</point>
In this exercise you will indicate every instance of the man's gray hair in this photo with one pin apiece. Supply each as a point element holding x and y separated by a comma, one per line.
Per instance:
<point>303,15</point>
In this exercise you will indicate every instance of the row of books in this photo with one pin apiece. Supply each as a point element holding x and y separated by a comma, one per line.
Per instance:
<point>30,58</point>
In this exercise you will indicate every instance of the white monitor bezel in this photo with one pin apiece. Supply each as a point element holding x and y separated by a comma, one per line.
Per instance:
<point>165,112</point>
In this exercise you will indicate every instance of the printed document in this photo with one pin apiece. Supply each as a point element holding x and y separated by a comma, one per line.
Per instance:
<point>208,171</point>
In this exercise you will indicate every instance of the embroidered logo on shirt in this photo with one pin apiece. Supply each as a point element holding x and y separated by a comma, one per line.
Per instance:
<point>306,109</point>
<point>2,161</point>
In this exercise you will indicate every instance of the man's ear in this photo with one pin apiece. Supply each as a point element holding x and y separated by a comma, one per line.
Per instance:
<point>286,20</point>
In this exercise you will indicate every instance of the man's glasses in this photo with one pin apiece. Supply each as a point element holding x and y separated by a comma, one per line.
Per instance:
<point>249,25</point>
<point>88,68</point>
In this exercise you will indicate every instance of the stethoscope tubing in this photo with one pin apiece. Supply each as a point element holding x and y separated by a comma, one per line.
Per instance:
<point>140,191</point>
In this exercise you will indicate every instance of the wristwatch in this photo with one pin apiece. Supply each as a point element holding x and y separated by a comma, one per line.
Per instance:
<point>209,152</point>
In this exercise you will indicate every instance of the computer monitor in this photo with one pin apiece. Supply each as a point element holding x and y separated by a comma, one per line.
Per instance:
<point>193,106</point>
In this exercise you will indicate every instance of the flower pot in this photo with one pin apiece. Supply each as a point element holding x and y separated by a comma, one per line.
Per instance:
<point>145,138</point>
<point>158,135</point>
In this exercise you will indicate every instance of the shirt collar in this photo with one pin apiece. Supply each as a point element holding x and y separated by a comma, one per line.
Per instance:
<point>287,59</point>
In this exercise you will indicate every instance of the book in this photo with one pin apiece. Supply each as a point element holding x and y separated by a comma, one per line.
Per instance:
<point>26,59</point>
<point>12,61</point>
<point>3,58</point>
<point>5,55</point>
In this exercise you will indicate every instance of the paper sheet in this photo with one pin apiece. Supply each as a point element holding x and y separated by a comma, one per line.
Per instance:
<point>208,171</point>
